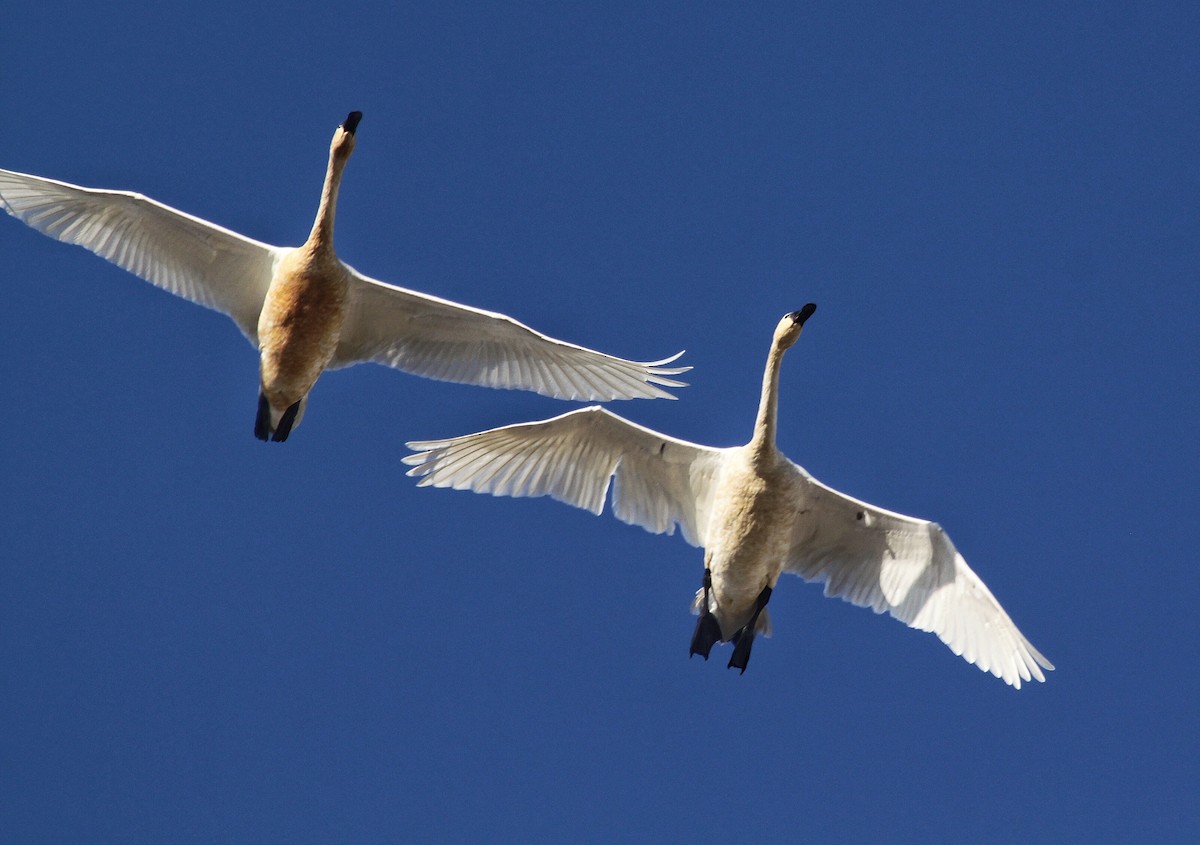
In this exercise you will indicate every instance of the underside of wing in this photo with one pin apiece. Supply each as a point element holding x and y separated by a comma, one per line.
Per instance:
<point>185,255</point>
<point>661,482</point>
<point>909,568</point>
<point>440,339</point>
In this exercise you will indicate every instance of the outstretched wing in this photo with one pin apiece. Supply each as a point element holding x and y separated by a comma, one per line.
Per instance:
<point>185,255</point>
<point>440,339</point>
<point>908,567</point>
<point>661,482</point>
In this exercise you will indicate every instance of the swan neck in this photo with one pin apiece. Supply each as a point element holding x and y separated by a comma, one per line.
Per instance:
<point>322,231</point>
<point>768,404</point>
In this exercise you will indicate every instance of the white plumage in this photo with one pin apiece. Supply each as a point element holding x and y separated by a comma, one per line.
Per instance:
<point>421,334</point>
<point>756,514</point>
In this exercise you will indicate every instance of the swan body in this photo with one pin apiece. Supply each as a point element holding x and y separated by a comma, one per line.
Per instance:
<point>752,511</point>
<point>307,311</point>
<point>755,513</point>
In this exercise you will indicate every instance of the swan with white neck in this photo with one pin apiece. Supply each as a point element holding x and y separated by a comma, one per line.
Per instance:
<point>755,513</point>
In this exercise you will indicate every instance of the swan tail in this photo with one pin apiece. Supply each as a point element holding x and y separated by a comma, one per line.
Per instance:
<point>764,623</point>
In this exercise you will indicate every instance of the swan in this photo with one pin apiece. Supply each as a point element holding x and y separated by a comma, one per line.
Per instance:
<point>755,513</point>
<point>306,311</point>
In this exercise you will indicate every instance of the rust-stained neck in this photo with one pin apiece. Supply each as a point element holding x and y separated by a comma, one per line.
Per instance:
<point>340,149</point>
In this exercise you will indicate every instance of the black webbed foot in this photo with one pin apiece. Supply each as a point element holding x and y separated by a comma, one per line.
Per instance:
<point>285,423</point>
<point>262,422</point>
<point>744,638</point>
<point>708,629</point>
<point>708,632</point>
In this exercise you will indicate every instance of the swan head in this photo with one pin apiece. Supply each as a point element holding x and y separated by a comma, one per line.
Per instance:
<point>790,326</point>
<point>343,137</point>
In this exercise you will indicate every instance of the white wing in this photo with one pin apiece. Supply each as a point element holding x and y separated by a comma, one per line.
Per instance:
<point>661,482</point>
<point>185,255</point>
<point>886,561</point>
<point>440,339</point>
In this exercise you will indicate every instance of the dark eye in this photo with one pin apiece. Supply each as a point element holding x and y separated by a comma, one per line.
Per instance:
<point>859,516</point>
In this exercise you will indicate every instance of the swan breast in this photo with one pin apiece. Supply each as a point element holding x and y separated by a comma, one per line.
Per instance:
<point>300,323</point>
<point>754,508</point>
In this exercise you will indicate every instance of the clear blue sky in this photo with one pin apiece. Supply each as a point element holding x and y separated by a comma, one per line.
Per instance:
<point>205,638</point>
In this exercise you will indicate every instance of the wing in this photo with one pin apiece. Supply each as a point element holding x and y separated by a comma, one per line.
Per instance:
<point>661,482</point>
<point>185,255</point>
<point>440,339</point>
<point>886,561</point>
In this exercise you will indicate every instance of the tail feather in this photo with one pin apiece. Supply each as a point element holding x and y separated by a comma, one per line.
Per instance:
<point>764,623</point>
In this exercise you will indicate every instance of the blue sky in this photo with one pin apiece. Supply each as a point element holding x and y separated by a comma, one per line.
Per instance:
<point>204,638</point>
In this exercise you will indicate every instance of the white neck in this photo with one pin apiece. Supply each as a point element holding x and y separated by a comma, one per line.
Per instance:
<point>764,426</point>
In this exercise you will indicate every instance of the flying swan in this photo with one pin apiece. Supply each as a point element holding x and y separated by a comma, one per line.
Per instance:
<point>755,513</point>
<point>306,311</point>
